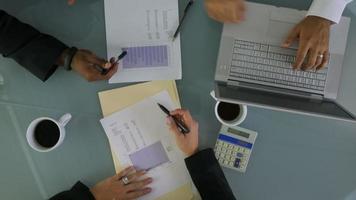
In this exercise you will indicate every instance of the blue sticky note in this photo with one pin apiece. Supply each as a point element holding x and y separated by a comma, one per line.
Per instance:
<point>149,157</point>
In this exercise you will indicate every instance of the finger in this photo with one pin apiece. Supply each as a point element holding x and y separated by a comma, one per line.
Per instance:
<point>292,36</point>
<point>173,127</point>
<point>124,172</point>
<point>319,60</point>
<point>135,176</point>
<point>111,72</point>
<point>313,57</point>
<point>138,185</point>
<point>71,2</point>
<point>179,111</point>
<point>325,61</point>
<point>98,61</point>
<point>139,193</point>
<point>301,54</point>
<point>112,60</point>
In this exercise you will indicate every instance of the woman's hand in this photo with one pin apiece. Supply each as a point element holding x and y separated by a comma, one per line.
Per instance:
<point>113,188</point>
<point>188,143</point>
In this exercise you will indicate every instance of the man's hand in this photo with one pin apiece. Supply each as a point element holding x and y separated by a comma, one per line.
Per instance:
<point>313,35</point>
<point>83,62</point>
<point>231,11</point>
<point>113,188</point>
<point>188,143</point>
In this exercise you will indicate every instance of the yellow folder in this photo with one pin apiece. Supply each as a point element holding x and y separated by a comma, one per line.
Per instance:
<point>117,99</point>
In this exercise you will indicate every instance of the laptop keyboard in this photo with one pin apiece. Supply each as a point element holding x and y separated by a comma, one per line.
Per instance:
<point>272,65</point>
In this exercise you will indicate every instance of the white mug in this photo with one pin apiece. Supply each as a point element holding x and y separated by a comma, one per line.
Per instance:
<point>61,123</point>
<point>235,122</point>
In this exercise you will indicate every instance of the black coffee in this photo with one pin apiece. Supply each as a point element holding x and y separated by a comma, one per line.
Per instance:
<point>47,133</point>
<point>228,111</point>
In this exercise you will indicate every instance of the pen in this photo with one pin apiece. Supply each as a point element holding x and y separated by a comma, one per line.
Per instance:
<point>186,9</point>
<point>181,126</point>
<point>104,71</point>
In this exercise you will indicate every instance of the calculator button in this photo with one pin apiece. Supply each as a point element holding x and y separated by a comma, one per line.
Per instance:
<point>223,150</point>
<point>221,160</point>
<point>237,163</point>
<point>232,158</point>
<point>231,146</point>
<point>226,162</point>
<point>229,151</point>
<point>231,164</point>
<point>239,155</point>
<point>219,148</point>
<point>225,144</point>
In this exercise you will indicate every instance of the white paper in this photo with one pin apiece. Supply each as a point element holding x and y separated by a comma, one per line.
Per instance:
<point>137,23</point>
<point>141,125</point>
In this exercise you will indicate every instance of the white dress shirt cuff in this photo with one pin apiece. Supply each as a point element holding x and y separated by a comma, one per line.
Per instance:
<point>328,9</point>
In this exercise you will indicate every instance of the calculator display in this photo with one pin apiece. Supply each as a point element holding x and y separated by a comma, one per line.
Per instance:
<point>239,133</point>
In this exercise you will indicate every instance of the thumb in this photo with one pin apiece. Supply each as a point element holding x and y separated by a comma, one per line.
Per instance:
<point>172,126</point>
<point>292,36</point>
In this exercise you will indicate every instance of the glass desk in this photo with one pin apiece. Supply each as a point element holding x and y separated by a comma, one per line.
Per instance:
<point>295,157</point>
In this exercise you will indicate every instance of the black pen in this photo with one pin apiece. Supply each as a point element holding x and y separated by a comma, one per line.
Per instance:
<point>104,71</point>
<point>181,126</point>
<point>186,9</point>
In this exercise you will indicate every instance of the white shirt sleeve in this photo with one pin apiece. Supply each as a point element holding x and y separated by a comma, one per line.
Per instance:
<point>328,9</point>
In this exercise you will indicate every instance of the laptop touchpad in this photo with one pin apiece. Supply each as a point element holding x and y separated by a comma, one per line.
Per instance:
<point>278,29</point>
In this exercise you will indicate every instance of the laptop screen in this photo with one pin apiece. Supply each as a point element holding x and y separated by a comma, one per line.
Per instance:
<point>251,96</point>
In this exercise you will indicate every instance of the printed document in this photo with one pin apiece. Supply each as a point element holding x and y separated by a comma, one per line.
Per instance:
<point>140,137</point>
<point>143,28</point>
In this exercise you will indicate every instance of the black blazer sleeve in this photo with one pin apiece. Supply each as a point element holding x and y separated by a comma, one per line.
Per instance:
<point>35,51</point>
<point>78,192</point>
<point>208,176</point>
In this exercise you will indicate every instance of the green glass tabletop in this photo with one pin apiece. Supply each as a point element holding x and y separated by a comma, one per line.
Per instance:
<point>295,157</point>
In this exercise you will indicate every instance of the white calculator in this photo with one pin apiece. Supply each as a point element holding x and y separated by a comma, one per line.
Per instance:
<point>234,146</point>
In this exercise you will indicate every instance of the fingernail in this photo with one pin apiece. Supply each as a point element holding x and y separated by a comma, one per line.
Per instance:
<point>148,190</point>
<point>107,65</point>
<point>149,180</point>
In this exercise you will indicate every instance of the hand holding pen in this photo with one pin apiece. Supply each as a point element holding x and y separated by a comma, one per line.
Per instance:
<point>188,143</point>
<point>83,62</point>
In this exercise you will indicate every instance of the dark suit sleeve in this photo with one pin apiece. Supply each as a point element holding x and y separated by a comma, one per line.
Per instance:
<point>208,176</point>
<point>78,192</point>
<point>35,51</point>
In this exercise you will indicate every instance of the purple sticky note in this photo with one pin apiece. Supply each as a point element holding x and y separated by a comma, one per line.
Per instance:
<point>149,157</point>
<point>145,56</point>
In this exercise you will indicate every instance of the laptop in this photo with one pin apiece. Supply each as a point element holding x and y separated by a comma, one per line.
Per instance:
<point>253,69</point>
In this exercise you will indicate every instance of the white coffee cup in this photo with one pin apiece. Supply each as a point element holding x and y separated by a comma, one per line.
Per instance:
<point>240,114</point>
<point>61,123</point>
<point>240,117</point>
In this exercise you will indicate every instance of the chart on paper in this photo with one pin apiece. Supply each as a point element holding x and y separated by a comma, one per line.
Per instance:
<point>140,137</point>
<point>145,56</point>
<point>146,33</point>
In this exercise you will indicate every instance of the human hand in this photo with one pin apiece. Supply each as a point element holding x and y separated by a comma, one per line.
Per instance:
<point>113,188</point>
<point>231,11</point>
<point>83,62</point>
<point>188,143</point>
<point>313,35</point>
<point>71,2</point>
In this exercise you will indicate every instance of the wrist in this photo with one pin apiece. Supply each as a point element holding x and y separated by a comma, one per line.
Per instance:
<point>94,192</point>
<point>60,60</point>
<point>321,20</point>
